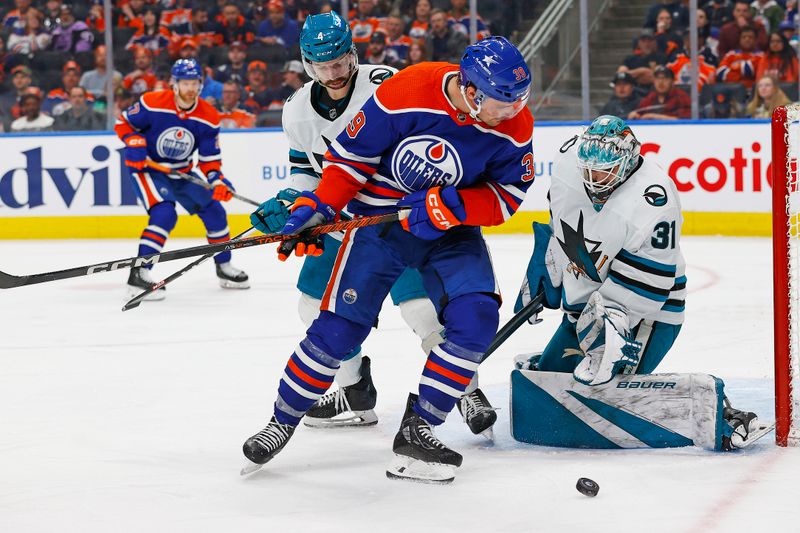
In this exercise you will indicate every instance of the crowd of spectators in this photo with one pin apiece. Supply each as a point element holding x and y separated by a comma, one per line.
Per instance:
<point>747,55</point>
<point>53,71</point>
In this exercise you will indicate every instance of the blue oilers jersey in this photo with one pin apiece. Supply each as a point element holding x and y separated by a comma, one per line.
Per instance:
<point>409,137</point>
<point>173,135</point>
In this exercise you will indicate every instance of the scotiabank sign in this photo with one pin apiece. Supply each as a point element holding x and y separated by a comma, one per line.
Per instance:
<point>717,167</point>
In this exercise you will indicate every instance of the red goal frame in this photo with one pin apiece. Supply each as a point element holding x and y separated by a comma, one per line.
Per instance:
<point>784,181</point>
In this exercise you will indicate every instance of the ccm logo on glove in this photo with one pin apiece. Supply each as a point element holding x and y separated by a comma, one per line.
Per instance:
<point>439,214</point>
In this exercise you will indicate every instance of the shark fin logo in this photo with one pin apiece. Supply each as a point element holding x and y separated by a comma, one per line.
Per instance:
<point>583,261</point>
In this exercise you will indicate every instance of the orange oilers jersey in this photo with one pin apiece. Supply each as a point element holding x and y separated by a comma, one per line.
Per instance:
<point>138,84</point>
<point>418,30</point>
<point>172,135</point>
<point>682,68</point>
<point>773,66</point>
<point>176,16</point>
<point>738,66</point>
<point>236,118</point>
<point>364,28</point>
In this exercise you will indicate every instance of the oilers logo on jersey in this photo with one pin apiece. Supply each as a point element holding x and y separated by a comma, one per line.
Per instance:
<point>426,161</point>
<point>175,143</point>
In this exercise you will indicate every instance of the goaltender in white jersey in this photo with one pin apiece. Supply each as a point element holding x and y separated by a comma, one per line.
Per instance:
<point>629,249</point>
<point>611,260</point>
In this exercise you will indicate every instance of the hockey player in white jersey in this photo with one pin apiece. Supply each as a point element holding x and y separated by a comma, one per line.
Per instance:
<point>611,260</point>
<point>312,117</point>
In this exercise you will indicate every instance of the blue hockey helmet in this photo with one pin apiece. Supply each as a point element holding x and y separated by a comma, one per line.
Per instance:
<point>186,69</point>
<point>325,37</point>
<point>497,70</point>
<point>608,145</point>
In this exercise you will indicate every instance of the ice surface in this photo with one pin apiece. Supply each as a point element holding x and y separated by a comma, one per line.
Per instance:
<point>134,421</point>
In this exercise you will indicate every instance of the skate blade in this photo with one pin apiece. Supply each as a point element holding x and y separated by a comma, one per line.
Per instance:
<point>249,467</point>
<point>343,420</point>
<point>228,284</point>
<point>155,296</point>
<point>488,434</point>
<point>408,469</point>
<point>761,429</point>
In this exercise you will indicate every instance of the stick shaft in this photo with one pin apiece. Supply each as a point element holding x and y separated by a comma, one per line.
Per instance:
<point>196,180</point>
<point>8,281</point>
<point>136,300</point>
<point>513,324</point>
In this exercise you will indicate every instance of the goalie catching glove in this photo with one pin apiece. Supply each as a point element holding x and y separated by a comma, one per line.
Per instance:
<point>308,211</point>
<point>604,336</point>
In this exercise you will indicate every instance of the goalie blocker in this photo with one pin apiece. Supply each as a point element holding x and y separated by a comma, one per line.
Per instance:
<point>633,411</point>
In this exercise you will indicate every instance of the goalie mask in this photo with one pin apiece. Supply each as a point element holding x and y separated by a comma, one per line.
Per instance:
<point>608,153</point>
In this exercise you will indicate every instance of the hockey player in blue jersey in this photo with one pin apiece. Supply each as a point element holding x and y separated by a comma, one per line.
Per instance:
<point>312,117</point>
<point>611,259</point>
<point>452,144</point>
<point>168,127</point>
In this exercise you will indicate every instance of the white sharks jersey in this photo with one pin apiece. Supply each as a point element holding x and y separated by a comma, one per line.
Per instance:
<point>629,250</point>
<point>311,125</point>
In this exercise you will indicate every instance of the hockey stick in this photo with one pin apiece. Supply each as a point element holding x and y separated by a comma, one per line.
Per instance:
<point>9,281</point>
<point>194,179</point>
<point>136,300</point>
<point>530,309</point>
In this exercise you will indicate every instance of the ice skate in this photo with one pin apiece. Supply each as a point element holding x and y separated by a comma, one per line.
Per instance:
<point>746,426</point>
<point>419,455</point>
<point>231,277</point>
<point>264,445</point>
<point>346,406</point>
<point>478,413</point>
<point>140,279</point>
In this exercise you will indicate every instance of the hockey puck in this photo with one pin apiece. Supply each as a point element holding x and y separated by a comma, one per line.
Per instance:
<point>587,487</point>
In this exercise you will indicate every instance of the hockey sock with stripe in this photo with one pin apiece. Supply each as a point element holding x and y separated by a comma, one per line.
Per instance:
<point>470,322</point>
<point>311,368</point>
<point>216,222</point>
<point>162,220</point>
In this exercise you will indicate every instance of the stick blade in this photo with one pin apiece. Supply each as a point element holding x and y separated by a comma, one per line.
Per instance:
<point>132,304</point>
<point>8,281</point>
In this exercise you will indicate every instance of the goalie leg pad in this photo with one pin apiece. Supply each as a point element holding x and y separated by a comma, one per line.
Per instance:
<point>562,353</point>
<point>653,411</point>
<point>655,345</point>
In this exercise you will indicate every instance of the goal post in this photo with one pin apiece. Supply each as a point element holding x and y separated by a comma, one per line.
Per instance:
<point>786,272</point>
